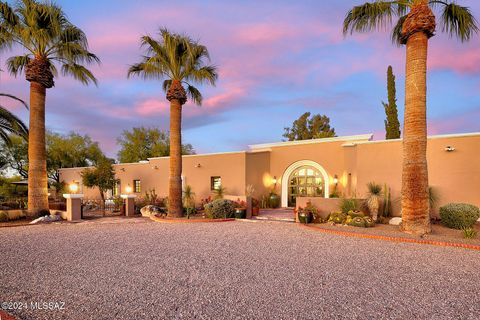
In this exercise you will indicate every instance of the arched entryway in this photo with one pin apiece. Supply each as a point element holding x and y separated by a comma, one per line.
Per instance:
<point>304,178</point>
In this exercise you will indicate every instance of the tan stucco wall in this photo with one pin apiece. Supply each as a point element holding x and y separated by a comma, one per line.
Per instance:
<point>454,175</point>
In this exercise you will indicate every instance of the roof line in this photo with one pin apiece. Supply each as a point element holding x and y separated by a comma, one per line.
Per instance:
<point>360,137</point>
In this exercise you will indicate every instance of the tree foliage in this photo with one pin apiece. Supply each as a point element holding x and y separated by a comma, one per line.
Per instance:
<point>63,151</point>
<point>142,143</point>
<point>102,176</point>
<point>175,57</point>
<point>392,125</point>
<point>44,32</point>
<point>10,123</point>
<point>305,128</point>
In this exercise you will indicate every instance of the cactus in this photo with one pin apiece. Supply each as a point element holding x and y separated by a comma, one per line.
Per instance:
<point>337,217</point>
<point>369,222</point>
<point>358,222</point>
<point>387,204</point>
<point>356,213</point>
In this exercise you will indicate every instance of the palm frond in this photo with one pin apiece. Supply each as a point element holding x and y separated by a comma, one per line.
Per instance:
<point>371,16</point>
<point>10,123</point>
<point>194,94</point>
<point>459,21</point>
<point>166,85</point>
<point>397,31</point>
<point>79,72</point>
<point>16,64</point>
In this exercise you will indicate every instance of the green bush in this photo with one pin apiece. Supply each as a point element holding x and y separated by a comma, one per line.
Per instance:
<point>220,208</point>
<point>337,217</point>
<point>469,233</point>
<point>459,215</point>
<point>3,216</point>
<point>347,205</point>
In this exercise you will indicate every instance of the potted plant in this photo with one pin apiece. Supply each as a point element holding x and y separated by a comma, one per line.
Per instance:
<point>304,216</point>
<point>240,209</point>
<point>273,200</point>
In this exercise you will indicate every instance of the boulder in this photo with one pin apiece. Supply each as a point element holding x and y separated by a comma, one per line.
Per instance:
<point>151,210</point>
<point>396,221</point>
<point>47,219</point>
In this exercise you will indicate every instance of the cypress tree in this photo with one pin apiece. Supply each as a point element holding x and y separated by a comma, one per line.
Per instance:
<point>392,125</point>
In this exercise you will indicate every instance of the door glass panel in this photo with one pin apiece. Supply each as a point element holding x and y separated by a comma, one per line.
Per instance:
<point>306,182</point>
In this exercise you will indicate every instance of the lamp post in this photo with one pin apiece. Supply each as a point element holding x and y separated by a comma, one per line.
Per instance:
<point>129,201</point>
<point>74,203</point>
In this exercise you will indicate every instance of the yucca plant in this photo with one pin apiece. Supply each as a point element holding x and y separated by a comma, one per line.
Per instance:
<point>219,192</point>
<point>188,200</point>
<point>372,201</point>
<point>415,25</point>
<point>48,39</point>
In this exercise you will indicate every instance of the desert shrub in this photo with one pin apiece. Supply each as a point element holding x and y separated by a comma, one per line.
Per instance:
<point>356,213</point>
<point>337,217</point>
<point>220,208</point>
<point>459,215</point>
<point>469,233</point>
<point>358,222</point>
<point>189,211</point>
<point>347,205</point>
<point>3,216</point>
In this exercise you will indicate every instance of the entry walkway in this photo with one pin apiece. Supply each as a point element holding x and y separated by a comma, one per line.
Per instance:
<point>280,214</point>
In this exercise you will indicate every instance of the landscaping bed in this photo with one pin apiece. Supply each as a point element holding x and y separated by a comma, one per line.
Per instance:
<point>192,219</point>
<point>439,233</point>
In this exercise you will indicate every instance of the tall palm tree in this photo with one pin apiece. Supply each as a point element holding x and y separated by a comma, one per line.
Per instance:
<point>416,24</point>
<point>10,123</point>
<point>179,61</point>
<point>48,38</point>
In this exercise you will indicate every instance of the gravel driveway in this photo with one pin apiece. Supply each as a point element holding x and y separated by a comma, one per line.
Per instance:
<point>234,270</point>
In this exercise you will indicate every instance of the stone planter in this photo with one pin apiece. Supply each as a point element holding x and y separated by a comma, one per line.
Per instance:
<point>305,217</point>
<point>240,213</point>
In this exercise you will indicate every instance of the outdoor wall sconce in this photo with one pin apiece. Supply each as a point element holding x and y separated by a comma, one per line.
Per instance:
<point>335,179</point>
<point>449,148</point>
<point>155,168</point>
<point>198,165</point>
<point>73,187</point>
<point>274,180</point>
<point>128,189</point>
<point>122,169</point>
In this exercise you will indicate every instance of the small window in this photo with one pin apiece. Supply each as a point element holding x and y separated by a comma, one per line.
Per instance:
<point>137,186</point>
<point>215,183</point>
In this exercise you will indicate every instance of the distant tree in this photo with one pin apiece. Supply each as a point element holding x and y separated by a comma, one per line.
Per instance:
<point>392,125</point>
<point>102,176</point>
<point>142,143</point>
<point>14,155</point>
<point>305,128</point>
<point>69,151</point>
<point>63,151</point>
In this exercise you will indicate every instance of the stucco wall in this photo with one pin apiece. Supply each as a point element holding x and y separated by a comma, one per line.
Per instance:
<point>258,172</point>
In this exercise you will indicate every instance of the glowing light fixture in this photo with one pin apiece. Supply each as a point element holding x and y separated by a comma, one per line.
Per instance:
<point>73,187</point>
<point>274,180</point>
<point>128,189</point>
<point>335,179</point>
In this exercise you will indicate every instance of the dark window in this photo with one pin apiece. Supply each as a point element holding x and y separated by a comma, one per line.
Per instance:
<point>137,186</point>
<point>215,183</point>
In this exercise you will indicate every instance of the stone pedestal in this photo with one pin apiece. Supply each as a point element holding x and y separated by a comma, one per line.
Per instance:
<point>129,204</point>
<point>74,206</point>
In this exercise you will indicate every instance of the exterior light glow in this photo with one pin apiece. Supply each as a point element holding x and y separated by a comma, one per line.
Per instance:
<point>274,180</point>
<point>335,179</point>
<point>128,189</point>
<point>73,187</point>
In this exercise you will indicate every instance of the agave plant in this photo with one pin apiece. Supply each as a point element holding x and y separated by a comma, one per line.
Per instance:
<point>373,199</point>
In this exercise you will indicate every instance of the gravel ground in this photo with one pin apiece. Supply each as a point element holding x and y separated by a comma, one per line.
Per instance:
<point>233,270</point>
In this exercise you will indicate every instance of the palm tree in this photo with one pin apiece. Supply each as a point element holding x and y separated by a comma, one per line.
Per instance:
<point>416,24</point>
<point>179,61</point>
<point>10,123</point>
<point>48,38</point>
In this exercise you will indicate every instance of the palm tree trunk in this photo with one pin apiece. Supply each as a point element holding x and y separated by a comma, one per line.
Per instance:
<point>175,208</point>
<point>37,160</point>
<point>415,206</point>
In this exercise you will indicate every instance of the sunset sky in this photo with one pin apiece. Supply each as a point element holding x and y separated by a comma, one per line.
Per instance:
<point>276,60</point>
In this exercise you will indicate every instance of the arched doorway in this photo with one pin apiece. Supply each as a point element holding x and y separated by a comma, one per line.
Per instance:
<point>304,178</point>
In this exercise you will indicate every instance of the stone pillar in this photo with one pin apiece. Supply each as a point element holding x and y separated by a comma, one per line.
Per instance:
<point>129,204</point>
<point>74,206</point>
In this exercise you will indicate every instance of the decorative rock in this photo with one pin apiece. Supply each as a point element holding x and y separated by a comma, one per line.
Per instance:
<point>395,221</point>
<point>47,219</point>
<point>150,210</point>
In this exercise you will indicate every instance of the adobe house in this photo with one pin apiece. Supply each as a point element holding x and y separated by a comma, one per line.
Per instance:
<point>310,169</point>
